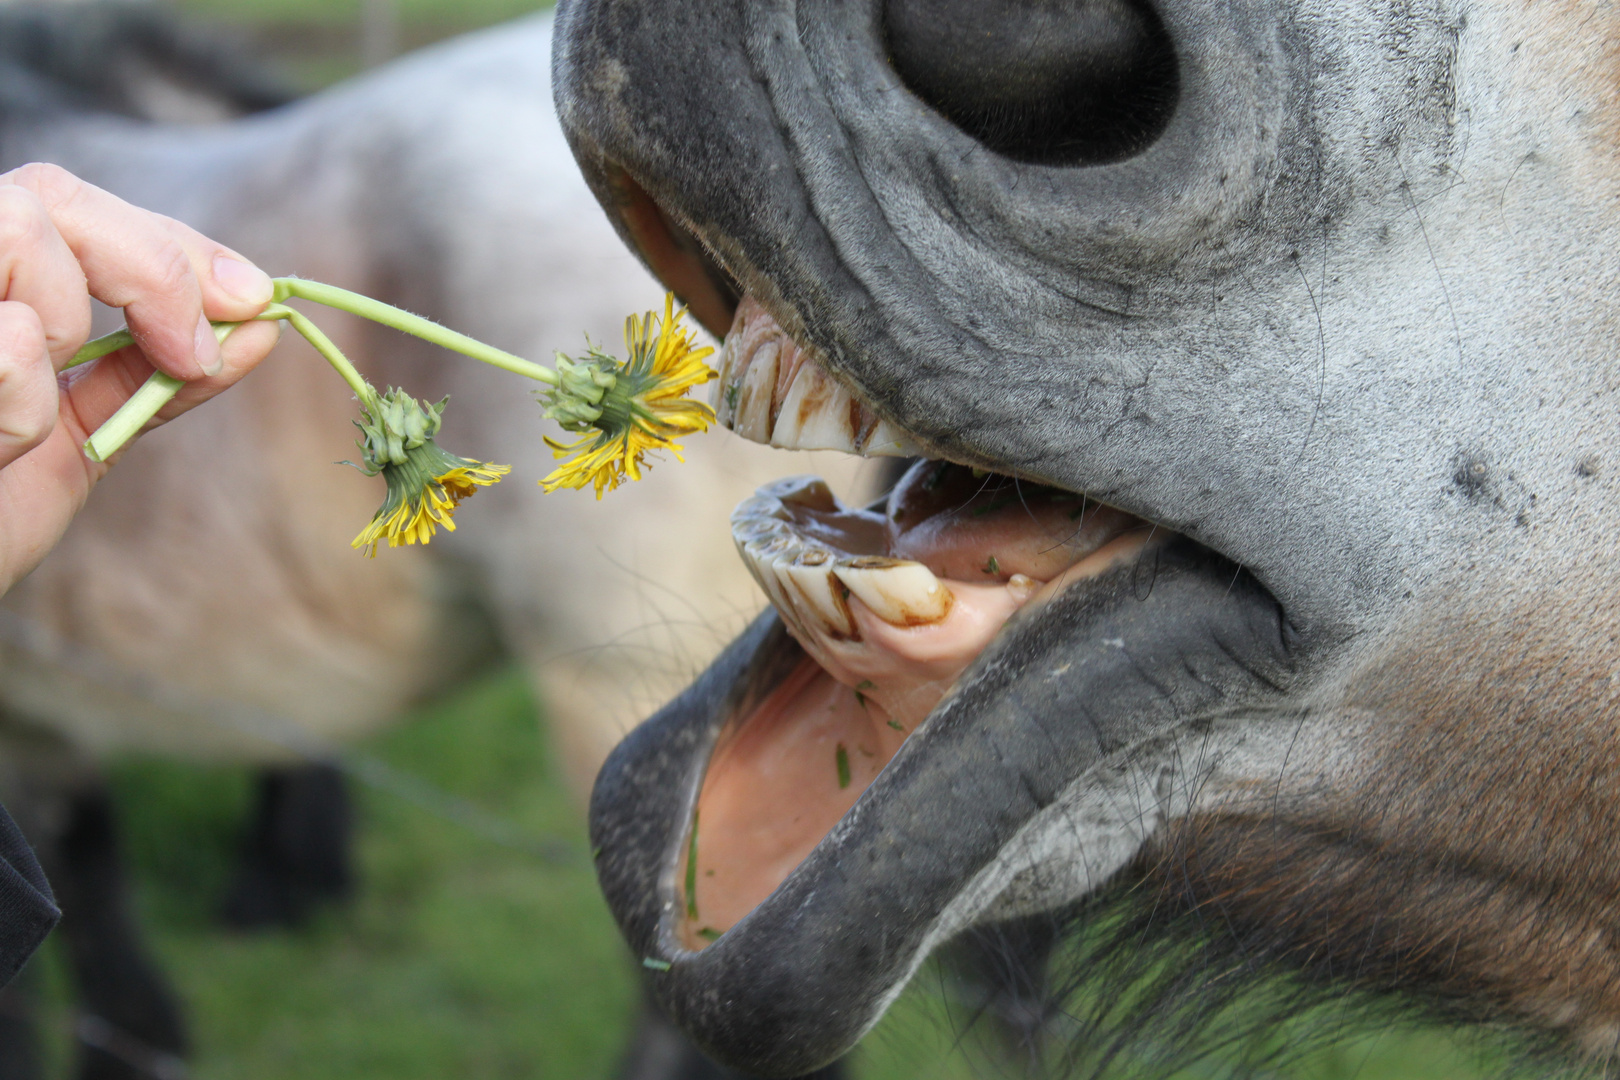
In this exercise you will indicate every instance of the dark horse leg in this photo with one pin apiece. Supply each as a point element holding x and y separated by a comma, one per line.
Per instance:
<point>130,1025</point>
<point>19,1039</point>
<point>296,850</point>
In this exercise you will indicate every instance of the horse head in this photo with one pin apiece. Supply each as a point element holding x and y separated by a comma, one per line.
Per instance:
<point>1260,361</point>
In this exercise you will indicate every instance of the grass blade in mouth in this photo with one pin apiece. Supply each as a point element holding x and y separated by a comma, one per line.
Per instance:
<point>691,871</point>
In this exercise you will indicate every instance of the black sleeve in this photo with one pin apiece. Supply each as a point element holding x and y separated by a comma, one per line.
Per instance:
<point>28,911</point>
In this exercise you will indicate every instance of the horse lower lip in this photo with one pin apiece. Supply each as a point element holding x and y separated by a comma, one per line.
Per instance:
<point>886,639</point>
<point>1129,655</point>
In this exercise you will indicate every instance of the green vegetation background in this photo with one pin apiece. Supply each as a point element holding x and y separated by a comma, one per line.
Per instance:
<point>464,958</point>
<point>461,958</point>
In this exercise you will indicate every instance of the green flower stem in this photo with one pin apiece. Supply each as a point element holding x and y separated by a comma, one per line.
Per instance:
<point>158,390</point>
<point>101,346</point>
<point>427,330</point>
<point>324,346</point>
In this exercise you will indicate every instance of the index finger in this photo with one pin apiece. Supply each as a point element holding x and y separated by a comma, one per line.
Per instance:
<point>161,275</point>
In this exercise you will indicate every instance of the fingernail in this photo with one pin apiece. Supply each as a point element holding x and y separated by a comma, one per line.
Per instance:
<point>208,355</point>
<point>242,280</point>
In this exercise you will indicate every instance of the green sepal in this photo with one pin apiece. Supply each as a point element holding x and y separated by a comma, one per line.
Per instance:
<point>393,425</point>
<point>576,401</point>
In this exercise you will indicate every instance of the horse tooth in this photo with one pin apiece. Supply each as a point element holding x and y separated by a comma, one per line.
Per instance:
<point>781,596</point>
<point>723,393</point>
<point>773,549</point>
<point>762,557</point>
<point>773,390</point>
<point>787,572</point>
<point>770,391</point>
<point>752,522</point>
<point>725,372</point>
<point>886,440</point>
<point>763,535</point>
<point>1022,587</point>
<point>753,390</point>
<point>816,413</point>
<point>812,578</point>
<point>770,547</point>
<point>809,581</point>
<point>898,591</point>
<point>754,568</point>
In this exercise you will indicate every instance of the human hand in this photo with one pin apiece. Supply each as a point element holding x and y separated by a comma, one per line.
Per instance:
<point>63,241</point>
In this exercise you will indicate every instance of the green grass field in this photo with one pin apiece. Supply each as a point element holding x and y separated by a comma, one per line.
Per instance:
<point>317,42</point>
<point>465,958</point>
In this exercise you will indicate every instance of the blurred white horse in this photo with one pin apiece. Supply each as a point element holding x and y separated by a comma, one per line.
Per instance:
<point>215,563</point>
<point>206,604</point>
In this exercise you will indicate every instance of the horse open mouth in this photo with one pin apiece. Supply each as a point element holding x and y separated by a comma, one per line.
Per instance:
<point>946,691</point>
<point>889,604</point>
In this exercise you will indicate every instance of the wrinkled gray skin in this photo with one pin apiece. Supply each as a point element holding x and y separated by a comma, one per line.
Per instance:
<point>1345,323</point>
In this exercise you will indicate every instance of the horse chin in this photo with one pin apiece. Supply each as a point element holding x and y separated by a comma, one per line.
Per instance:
<point>868,769</point>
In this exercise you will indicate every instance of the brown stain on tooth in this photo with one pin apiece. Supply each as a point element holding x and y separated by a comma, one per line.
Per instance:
<point>900,592</point>
<point>822,594</point>
<point>1022,587</point>
<point>772,391</point>
<point>873,562</point>
<point>758,383</point>
<point>787,372</point>
<point>862,421</point>
<point>814,415</point>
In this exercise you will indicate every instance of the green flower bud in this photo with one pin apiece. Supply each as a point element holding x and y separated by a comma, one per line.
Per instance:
<point>392,425</point>
<point>575,402</point>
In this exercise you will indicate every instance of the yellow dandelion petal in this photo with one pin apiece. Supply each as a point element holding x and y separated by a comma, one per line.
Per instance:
<point>646,409</point>
<point>422,496</point>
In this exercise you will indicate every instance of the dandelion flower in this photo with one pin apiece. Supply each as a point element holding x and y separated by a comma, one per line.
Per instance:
<point>425,482</point>
<point>626,411</point>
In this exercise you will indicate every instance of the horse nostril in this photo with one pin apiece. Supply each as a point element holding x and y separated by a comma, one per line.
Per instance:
<point>1051,82</point>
